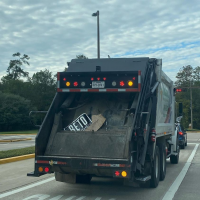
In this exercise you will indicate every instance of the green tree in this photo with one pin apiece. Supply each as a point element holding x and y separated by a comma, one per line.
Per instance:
<point>43,89</point>
<point>14,112</point>
<point>184,76</point>
<point>196,74</point>
<point>81,56</point>
<point>14,69</point>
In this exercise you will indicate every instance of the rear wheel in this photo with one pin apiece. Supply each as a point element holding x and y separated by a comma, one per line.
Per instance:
<point>162,161</point>
<point>155,174</point>
<point>186,141</point>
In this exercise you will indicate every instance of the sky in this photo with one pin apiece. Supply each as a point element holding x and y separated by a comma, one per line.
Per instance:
<point>52,33</point>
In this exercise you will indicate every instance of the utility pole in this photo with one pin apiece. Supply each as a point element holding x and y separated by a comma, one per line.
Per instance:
<point>191,106</point>
<point>98,37</point>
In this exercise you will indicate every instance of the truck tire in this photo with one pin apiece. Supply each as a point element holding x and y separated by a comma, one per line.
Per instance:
<point>186,141</point>
<point>174,159</point>
<point>162,161</point>
<point>155,173</point>
<point>182,146</point>
<point>83,178</point>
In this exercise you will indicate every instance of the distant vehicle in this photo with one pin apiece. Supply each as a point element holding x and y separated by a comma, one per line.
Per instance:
<point>182,137</point>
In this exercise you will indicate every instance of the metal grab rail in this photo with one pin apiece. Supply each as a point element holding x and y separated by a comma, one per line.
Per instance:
<point>37,112</point>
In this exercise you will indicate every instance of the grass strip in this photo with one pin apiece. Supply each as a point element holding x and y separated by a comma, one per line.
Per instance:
<point>189,129</point>
<point>21,132</point>
<point>17,152</point>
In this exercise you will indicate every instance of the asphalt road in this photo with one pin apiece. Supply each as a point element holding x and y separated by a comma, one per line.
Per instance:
<point>185,178</point>
<point>4,146</point>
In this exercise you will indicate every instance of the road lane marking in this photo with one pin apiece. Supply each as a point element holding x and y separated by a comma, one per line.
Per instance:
<point>70,198</point>
<point>174,187</point>
<point>80,198</point>
<point>26,187</point>
<point>38,196</point>
<point>56,198</point>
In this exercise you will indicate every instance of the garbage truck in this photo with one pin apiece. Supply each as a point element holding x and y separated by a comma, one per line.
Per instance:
<point>109,118</point>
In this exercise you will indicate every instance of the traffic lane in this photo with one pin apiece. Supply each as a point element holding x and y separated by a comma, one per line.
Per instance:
<point>105,188</point>
<point>193,137</point>
<point>190,187</point>
<point>14,175</point>
<point>16,145</point>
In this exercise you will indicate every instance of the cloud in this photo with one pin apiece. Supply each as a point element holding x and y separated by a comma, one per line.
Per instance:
<point>54,32</point>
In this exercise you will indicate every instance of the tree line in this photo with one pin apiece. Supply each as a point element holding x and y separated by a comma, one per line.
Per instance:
<point>21,93</point>
<point>188,80</point>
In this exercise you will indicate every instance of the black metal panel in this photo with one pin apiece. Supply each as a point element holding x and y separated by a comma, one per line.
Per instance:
<point>45,129</point>
<point>113,64</point>
<point>85,144</point>
<point>107,77</point>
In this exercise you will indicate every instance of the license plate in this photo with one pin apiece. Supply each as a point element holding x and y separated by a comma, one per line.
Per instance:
<point>79,124</point>
<point>98,84</point>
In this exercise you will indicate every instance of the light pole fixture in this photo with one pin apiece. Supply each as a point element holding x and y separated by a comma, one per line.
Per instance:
<point>98,42</point>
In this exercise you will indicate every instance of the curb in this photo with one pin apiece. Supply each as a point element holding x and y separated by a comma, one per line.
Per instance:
<point>17,158</point>
<point>16,140</point>
<point>18,134</point>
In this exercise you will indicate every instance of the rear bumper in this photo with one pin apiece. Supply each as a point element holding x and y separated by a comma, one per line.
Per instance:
<point>93,166</point>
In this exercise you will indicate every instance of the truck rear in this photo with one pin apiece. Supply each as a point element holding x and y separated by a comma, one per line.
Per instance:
<point>109,118</point>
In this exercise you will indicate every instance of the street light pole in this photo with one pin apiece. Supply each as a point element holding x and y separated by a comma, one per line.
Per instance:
<point>98,35</point>
<point>191,105</point>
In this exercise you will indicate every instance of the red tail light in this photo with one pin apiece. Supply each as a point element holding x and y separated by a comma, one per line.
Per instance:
<point>64,79</point>
<point>117,173</point>
<point>98,79</point>
<point>92,79</point>
<point>180,133</point>
<point>46,169</point>
<point>122,83</point>
<point>104,78</point>
<point>76,84</point>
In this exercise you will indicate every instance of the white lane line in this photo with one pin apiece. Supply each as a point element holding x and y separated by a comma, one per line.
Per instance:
<point>70,198</point>
<point>174,187</point>
<point>26,187</point>
<point>39,196</point>
<point>56,198</point>
<point>80,198</point>
<point>98,198</point>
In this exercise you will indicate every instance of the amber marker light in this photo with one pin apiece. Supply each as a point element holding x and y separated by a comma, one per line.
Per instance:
<point>40,169</point>
<point>130,83</point>
<point>67,84</point>
<point>124,173</point>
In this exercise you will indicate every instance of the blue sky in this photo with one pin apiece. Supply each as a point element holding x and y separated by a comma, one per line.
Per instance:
<point>54,32</point>
<point>189,45</point>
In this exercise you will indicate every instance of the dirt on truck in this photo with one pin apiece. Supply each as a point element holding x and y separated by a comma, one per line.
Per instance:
<point>109,118</point>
